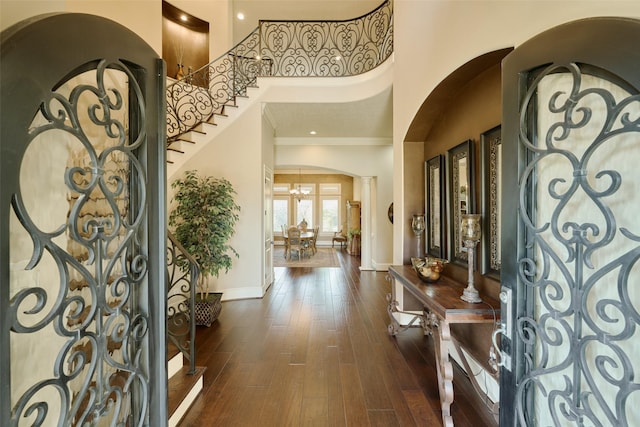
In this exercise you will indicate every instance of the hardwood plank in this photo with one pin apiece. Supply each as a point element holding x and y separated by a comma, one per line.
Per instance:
<point>314,411</point>
<point>336,408</point>
<point>422,412</point>
<point>285,391</point>
<point>354,401</point>
<point>315,351</point>
<point>315,375</point>
<point>383,418</point>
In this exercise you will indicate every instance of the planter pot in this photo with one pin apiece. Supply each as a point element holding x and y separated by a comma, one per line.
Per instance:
<point>208,309</point>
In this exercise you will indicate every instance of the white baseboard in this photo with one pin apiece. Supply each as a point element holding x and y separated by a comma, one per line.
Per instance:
<point>186,404</point>
<point>242,293</point>
<point>175,364</point>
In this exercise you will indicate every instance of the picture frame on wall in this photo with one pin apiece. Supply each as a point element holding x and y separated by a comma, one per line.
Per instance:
<point>461,192</point>
<point>491,164</point>
<point>435,206</point>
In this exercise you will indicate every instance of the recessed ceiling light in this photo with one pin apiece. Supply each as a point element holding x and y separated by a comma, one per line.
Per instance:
<point>240,16</point>
<point>183,17</point>
<point>338,58</point>
<point>313,132</point>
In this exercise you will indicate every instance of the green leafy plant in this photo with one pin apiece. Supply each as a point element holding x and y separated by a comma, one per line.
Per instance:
<point>204,219</point>
<point>353,232</point>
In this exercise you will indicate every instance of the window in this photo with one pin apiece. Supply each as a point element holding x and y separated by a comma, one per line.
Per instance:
<point>304,210</point>
<point>280,213</point>
<point>330,196</point>
<point>320,207</point>
<point>330,214</point>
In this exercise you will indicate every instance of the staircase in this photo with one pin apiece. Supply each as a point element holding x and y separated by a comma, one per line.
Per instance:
<point>188,144</point>
<point>205,102</point>
<point>185,378</point>
<point>184,387</point>
<point>201,100</point>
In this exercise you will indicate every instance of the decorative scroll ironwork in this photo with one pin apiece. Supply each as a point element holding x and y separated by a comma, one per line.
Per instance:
<point>461,196</point>
<point>328,48</point>
<point>93,303</point>
<point>580,331</point>
<point>183,273</point>
<point>280,49</point>
<point>491,200</point>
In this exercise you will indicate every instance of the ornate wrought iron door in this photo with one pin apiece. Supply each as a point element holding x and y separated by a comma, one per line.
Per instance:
<point>82,226</point>
<point>571,128</point>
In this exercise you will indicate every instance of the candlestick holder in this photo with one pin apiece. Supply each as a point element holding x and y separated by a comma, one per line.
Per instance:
<point>470,233</point>
<point>418,226</point>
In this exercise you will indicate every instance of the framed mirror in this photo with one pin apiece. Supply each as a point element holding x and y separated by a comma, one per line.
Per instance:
<point>434,206</point>
<point>491,149</point>
<point>461,196</point>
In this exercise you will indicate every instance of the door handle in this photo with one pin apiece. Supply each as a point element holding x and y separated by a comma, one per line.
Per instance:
<point>497,357</point>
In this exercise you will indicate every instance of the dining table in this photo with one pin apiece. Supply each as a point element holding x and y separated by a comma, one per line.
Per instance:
<point>305,236</point>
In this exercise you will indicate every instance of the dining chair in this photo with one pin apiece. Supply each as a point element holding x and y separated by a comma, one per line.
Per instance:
<point>314,239</point>
<point>295,242</point>
<point>285,239</point>
<point>339,237</point>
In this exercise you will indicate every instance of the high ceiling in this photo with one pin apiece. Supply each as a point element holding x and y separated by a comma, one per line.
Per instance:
<point>371,118</point>
<point>256,10</point>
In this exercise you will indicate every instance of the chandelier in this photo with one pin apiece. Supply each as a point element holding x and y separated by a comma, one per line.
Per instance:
<point>298,193</point>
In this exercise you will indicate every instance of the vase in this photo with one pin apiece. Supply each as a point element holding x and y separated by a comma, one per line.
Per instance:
<point>180,73</point>
<point>208,309</point>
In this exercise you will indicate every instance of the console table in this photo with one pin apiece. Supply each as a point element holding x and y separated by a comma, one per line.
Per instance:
<point>441,307</point>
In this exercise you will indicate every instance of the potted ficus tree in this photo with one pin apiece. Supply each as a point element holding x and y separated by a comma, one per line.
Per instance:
<point>203,218</point>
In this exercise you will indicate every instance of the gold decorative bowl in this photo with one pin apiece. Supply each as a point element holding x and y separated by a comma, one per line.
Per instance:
<point>429,268</point>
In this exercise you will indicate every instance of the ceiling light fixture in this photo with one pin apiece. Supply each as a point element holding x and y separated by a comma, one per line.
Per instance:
<point>183,17</point>
<point>298,193</point>
<point>313,132</point>
<point>240,16</point>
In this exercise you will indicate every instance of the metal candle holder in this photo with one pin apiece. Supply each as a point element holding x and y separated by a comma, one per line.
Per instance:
<point>418,226</point>
<point>470,232</point>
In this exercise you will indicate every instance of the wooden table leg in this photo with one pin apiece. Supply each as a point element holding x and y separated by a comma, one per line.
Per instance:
<point>442,338</point>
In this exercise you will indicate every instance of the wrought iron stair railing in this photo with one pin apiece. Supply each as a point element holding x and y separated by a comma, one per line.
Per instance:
<point>280,49</point>
<point>182,275</point>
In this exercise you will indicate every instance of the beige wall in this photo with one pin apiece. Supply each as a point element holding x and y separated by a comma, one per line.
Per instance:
<point>434,38</point>
<point>144,17</point>
<point>346,188</point>
<point>218,14</point>
<point>477,105</point>
<point>236,154</point>
<point>356,161</point>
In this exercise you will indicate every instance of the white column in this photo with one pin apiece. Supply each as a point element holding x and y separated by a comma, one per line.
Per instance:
<point>365,212</point>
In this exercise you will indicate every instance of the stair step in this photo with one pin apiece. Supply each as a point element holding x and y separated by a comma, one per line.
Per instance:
<point>175,360</point>
<point>183,390</point>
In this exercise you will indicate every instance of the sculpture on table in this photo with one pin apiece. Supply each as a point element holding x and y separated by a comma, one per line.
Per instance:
<point>470,232</point>
<point>418,226</point>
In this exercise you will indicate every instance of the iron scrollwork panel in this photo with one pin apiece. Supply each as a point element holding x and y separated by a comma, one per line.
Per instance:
<point>78,285</point>
<point>578,206</point>
<point>183,272</point>
<point>491,200</point>
<point>280,49</point>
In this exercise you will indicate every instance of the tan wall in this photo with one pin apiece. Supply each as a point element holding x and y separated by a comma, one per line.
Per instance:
<point>345,181</point>
<point>474,109</point>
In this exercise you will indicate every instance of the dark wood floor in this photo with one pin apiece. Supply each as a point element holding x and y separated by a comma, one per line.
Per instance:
<point>315,352</point>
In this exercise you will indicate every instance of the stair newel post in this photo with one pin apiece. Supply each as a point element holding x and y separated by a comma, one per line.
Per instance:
<point>194,273</point>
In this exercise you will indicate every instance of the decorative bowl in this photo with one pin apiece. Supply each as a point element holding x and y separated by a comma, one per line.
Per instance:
<point>429,268</point>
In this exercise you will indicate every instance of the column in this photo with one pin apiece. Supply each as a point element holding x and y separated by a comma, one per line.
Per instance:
<point>365,211</point>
